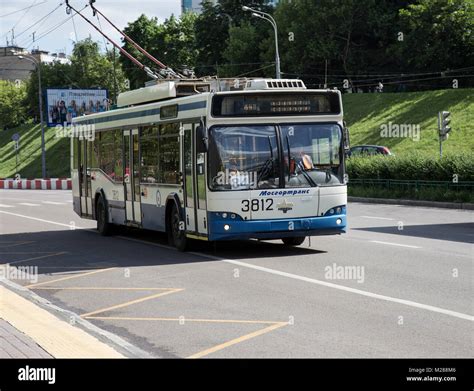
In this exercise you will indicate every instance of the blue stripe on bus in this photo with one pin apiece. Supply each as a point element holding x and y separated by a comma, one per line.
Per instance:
<point>274,228</point>
<point>141,113</point>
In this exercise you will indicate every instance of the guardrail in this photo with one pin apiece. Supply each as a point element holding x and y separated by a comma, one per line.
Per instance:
<point>36,184</point>
<point>413,184</point>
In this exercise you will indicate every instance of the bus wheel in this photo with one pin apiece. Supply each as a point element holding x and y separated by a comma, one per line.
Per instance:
<point>176,234</point>
<point>296,241</point>
<point>103,225</point>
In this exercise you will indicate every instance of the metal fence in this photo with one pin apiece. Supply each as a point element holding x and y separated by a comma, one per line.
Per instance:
<point>466,186</point>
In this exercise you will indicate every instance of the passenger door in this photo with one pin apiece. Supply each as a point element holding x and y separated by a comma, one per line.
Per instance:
<point>194,182</point>
<point>84,155</point>
<point>131,176</point>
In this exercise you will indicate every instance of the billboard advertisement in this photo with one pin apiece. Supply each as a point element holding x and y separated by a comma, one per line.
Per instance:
<point>64,104</point>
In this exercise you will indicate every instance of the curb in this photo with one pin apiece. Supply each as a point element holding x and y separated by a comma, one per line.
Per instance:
<point>114,341</point>
<point>429,204</point>
<point>36,184</point>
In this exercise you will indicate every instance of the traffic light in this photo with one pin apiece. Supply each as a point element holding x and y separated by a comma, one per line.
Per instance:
<point>444,121</point>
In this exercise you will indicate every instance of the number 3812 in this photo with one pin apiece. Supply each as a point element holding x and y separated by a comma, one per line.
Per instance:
<point>257,205</point>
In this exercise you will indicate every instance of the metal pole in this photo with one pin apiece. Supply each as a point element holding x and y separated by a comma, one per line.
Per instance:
<point>115,79</point>
<point>269,18</point>
<point>439,136</point>
<point>16,156</point>
<point>40,96</point>
<point>326,74</point>
<point>43,147</point>
<point>277,54</point>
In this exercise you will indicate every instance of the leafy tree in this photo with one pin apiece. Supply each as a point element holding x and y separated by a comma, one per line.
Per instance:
<point>438,34</point>
<point>172,43</point>
<point>243,48</point>
<point>13,110</point>
<point>144,31</point>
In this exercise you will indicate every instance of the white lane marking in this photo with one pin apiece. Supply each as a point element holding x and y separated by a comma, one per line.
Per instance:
<point>345,288</point>
<point>394,244</point>
<point>6,206</point>
<point>42,220</point>
<point>377,218</point>
<point>54,203</point>
<point>28,204</point>
<point>301,278</point>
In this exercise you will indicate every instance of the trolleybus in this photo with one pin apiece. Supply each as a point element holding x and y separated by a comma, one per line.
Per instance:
<point>263,159</point>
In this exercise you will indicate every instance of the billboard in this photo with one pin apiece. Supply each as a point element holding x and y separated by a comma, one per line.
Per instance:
<point>64,104</point>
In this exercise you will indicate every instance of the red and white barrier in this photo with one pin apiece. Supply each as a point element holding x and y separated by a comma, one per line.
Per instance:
<point>36,184</point>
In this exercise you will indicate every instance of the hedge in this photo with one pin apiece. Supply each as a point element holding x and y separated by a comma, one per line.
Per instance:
<point>413,167</point>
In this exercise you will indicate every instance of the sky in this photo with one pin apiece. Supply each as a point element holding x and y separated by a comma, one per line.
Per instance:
<point>30,20</point>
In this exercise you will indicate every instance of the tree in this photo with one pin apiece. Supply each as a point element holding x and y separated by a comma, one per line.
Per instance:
<point>438,35</point>
<point>144,31</point>
<point>242,49</point>
<point>13,110</point>
<point>172,43</point>
<point>214,27</point>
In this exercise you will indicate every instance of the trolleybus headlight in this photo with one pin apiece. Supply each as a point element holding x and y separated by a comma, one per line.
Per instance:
<point>338,210</point>
<point>331,211</point>
<point>224,215</point>
<point>339,221</point>
<point>226,227</point>
<point>232,216</point>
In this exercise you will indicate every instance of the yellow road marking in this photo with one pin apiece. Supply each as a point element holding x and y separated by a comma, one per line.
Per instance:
<point>131,302</point>
<point>184,319</point>
<point>40,257</point>
<point>70,277</point>
<point>56,336</point>
<point>238,340</point>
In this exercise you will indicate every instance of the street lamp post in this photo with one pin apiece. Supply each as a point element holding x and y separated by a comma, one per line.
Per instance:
<point>269,18</point>
<point>40,96</point>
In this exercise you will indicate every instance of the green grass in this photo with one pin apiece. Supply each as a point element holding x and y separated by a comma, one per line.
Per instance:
<point>29,157</point>
<point>366,113</point>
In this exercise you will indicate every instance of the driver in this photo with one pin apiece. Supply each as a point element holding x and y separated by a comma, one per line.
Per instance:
<point>303,161</point>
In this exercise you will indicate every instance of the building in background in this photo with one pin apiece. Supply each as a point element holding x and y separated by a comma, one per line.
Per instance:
<point>13,68</point>
<point>193,5</point>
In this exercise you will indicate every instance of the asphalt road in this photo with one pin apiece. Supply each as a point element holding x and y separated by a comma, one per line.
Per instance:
<point>398,284</point>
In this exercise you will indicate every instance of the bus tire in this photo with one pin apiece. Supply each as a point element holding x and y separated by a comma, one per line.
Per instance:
<point>176,235</point>
<point>103,225</point>
<point>296,241</point>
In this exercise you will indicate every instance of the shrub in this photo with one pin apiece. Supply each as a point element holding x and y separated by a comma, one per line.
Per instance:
<point>413,167</point>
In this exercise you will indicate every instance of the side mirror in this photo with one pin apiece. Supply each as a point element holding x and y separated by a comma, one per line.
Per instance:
<point>346,141</point>
<point>202,144</point>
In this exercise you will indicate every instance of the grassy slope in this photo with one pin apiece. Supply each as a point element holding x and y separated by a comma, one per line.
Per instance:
<point>365,113</point>
<point>29,158</point>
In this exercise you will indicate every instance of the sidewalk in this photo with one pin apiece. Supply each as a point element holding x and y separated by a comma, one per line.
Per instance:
<point>28,330</point>
<point>15,344</point>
